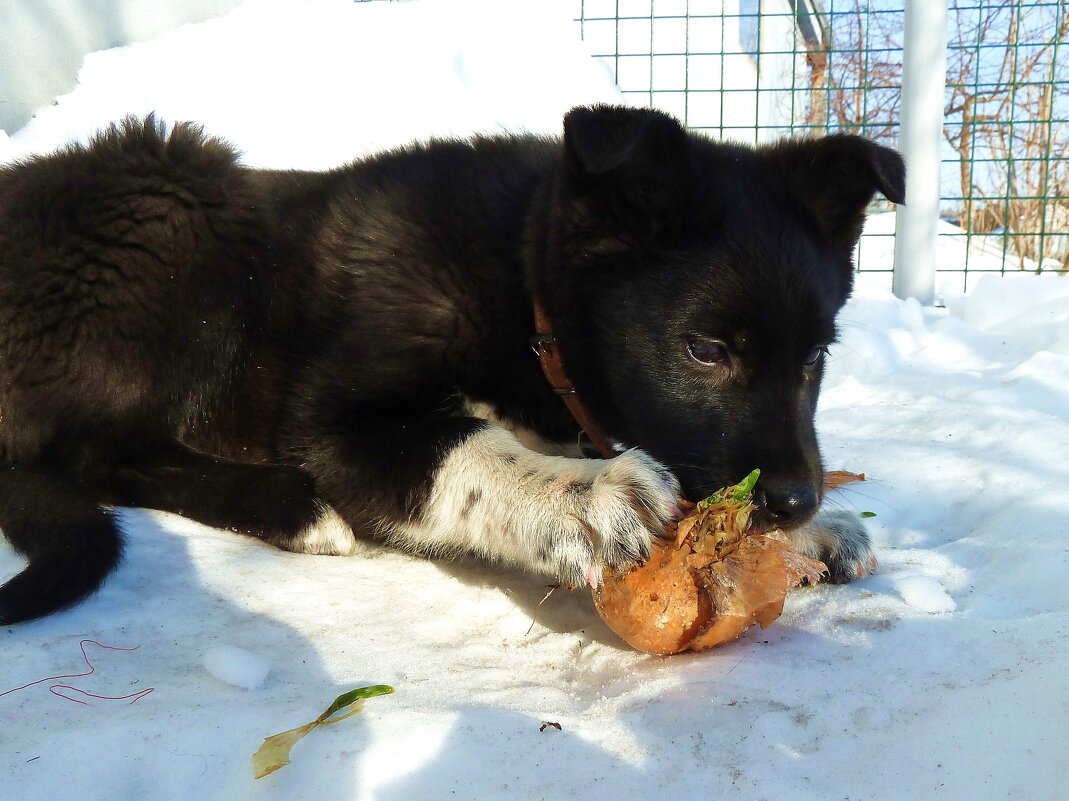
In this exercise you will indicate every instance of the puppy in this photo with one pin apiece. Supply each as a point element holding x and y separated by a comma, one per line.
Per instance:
<point>312,357</point>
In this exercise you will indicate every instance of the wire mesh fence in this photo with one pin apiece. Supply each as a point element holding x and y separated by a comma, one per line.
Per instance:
<point>757,70</point>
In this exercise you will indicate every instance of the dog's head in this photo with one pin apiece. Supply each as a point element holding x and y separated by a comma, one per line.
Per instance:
<point>695,285</point>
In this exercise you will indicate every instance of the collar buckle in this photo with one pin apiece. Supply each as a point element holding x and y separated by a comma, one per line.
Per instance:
<point>543,344</point>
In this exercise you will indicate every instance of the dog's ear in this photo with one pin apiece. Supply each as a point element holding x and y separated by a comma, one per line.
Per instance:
<point>835,178</point>
<point>628,164</point>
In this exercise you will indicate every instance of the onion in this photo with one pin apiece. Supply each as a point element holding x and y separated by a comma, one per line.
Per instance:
<point>710,585</point>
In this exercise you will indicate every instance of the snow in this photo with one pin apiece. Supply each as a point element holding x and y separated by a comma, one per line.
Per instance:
<point>957,256</point>
<point>352,80</point>
<point>236,666</point>
<point>925,593</point>
<point>943,676</point>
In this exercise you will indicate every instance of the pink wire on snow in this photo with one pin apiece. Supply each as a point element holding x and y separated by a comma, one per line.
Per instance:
<point>133,698</point>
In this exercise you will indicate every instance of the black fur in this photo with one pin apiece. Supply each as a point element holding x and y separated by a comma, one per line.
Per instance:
<point>183,333</point>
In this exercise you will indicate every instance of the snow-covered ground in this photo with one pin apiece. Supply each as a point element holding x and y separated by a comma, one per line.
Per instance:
<point>942,677</point>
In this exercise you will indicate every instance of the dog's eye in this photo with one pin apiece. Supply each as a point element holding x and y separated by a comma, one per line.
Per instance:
<point>815,357</point>
<point>708,351</point>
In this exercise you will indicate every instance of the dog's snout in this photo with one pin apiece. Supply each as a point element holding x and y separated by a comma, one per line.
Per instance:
<point>786,504</point>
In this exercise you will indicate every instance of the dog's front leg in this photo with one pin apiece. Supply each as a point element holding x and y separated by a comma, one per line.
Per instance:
<point>455,484</point>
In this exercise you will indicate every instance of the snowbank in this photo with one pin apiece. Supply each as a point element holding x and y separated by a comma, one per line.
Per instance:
<point>343,81</point>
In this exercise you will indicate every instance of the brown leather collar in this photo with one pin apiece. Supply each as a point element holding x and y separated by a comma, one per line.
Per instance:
<point>544,344</point>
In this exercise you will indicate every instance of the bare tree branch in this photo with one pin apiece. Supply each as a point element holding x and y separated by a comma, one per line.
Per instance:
<point>1007,102</point>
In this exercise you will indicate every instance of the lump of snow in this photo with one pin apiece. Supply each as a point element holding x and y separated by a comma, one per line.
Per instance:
<point>236,666</point>
<point>925,593</point>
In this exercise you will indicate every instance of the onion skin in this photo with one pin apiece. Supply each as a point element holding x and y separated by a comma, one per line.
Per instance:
<point>657,608</point>
<point>707,587</point>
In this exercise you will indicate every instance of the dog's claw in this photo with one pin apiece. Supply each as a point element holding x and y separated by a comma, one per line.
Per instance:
<point>592,578</point>
<point>863,571</point>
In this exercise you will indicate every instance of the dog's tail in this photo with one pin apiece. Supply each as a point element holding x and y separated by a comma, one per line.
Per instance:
<point>71,543</point>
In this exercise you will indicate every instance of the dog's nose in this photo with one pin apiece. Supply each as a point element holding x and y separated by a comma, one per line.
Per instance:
<point>786,503</point>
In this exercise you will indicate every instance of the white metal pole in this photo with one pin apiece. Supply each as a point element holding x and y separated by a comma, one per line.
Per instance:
<point>924,61</point>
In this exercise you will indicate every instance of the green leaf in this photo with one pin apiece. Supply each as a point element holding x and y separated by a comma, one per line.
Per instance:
<point>868,514</point>
<point>349,698</point>
<point>744,489</point>
<point>274,752</point>
<point>740,492</point>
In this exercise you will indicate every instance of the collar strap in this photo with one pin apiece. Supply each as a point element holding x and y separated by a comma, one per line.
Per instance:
<point>545,346</point>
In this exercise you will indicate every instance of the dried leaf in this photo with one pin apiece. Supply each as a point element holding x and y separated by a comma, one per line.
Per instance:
<point>833,479</point>
<point>274,753</point>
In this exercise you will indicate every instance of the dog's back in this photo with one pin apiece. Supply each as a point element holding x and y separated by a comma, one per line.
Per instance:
<point>144,250</point>
<point>131,285</point>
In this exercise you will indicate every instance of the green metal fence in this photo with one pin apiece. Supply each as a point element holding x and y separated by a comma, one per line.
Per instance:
<point>756,70</point>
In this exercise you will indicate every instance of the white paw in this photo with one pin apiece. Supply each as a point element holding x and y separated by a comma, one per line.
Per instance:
<point>840,541</point>
<point>328,534</point>
<point>605,518</point>
<point>630,502</point>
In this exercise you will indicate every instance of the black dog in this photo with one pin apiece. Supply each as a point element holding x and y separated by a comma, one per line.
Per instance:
<point>301,356</point>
